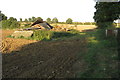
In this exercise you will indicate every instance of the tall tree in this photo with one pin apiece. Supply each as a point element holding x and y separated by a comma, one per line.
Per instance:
<point>106,13</point>
<point>69,21</point>
<point>20,19</point>
<point>55,20</point>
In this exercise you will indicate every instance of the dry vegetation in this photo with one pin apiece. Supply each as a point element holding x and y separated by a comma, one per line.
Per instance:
<point>77,27</point>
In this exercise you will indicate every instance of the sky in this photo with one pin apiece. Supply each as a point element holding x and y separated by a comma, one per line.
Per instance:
<point>78,10</point>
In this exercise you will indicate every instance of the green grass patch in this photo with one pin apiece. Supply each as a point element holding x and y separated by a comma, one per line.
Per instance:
<point>101,57</point>
<point>46,35</point>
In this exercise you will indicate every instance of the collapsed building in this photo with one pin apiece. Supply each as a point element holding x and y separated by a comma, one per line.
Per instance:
<point>27,32</point>
<point>40,24</point>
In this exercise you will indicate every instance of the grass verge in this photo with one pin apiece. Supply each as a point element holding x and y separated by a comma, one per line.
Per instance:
<point>101,57</point>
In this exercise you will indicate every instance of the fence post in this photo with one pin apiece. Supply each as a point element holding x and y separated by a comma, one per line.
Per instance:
<point>118,41</point>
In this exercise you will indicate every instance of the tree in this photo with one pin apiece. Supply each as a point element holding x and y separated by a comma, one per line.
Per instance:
<point>10,23</point>
<point>39,18</point>
<point>26,20</point>
<point>20,19</point>
<point>49,20</point>
<point>2,16</point>
<point>55,20</point>
<point>33,19</point>
<point>12,19</point>
<point>106,13</point>
<point>69,21</point>
<point>30,19</point>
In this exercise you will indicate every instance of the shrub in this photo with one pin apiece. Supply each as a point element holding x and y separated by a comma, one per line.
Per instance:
<point>42,35</point>
<point>49,35</point>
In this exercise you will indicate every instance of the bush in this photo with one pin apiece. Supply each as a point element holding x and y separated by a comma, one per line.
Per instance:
<point>42,35</point>
<point>49,35</point>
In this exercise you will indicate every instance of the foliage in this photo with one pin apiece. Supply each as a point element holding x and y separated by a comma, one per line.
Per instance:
<point>49,20</point>
<point>55,20</point>
<point>12,19</point>
<point>20,19</point>
<point>26,20</point>
<point>33,19</point>
<point>2,16</point>
<point>49,35</point>
<point>106,13</point>
<point>11,23</point>
<point>39,18</point>
<point>30,19</point>
<point>45,35</point>
<point>69,21</point>
<point>42,35</point>
<point>87,23</point>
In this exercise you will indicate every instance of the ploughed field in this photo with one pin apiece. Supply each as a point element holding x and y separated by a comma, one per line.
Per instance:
<point>39,59</point>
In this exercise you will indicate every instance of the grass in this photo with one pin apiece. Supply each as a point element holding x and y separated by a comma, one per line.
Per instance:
<point>45,35</point>
<point>101,57</point>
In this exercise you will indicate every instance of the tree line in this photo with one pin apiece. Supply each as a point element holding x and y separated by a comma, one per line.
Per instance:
<point>48,20</point>
<point>10,22</point>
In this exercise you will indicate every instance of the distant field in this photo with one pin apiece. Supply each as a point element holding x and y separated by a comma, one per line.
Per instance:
<point>77,27</point>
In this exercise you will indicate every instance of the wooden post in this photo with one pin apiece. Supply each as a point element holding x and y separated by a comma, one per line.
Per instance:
<point>118,41</point>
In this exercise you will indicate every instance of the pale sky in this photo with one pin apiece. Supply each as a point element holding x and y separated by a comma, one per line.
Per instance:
<point>78,10</point>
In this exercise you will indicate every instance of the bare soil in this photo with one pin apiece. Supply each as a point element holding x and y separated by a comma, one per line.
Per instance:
<point>32,59</point>
<point>11,44</point>
<point>6,33</point>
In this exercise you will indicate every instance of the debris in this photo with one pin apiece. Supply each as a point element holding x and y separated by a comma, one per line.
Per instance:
<point>25,34</point>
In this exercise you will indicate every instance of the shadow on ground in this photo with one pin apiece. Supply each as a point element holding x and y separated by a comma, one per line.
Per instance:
<point>51,59</point>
